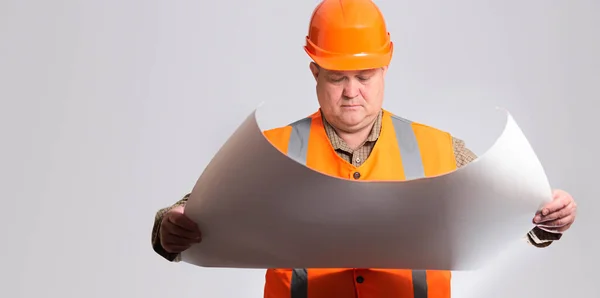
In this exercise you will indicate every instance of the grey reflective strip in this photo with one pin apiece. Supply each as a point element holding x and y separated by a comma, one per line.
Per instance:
<point>413,169</point>
<point>299,283</point>
<point>419,280</point>
<point>298,143</point>
<point>297,149</point>
<point>409,148</point>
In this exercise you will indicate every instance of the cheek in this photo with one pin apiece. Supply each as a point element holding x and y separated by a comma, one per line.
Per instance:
<point>373,92</point>
<point>330,95</point>
<point>369,93</point>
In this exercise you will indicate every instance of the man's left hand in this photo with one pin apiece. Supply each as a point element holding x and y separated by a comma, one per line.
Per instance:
<point>557,216</point>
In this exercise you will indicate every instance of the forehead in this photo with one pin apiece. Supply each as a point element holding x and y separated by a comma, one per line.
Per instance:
<point>351,72</point>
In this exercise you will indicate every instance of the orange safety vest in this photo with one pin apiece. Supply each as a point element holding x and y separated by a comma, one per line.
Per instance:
<point>404,150</point>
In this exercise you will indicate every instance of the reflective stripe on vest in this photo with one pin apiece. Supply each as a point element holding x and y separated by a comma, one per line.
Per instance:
<point>298,143</point>
<point>413,169</point>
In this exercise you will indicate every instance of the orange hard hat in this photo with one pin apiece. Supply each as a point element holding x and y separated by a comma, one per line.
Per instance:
<point>348,35</point>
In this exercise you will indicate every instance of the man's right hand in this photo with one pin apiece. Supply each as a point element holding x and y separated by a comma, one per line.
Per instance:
<point>178,232</point>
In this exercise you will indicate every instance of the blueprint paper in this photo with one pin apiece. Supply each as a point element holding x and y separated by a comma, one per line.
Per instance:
<point>258,208</point>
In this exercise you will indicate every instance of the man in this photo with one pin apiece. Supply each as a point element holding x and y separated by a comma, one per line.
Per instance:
<point>352,137</point>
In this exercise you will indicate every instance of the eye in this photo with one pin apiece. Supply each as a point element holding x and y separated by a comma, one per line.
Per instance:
<point>363,78</point>
<point>336,79</point>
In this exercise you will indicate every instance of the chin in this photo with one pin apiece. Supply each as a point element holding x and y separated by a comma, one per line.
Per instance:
<point>352,120</point>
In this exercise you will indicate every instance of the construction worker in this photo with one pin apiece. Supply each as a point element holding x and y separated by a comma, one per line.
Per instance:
<point>352,137</point>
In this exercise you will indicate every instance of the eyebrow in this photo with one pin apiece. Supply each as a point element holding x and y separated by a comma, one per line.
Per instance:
<point>362,72</point>
<point>367,71</point>
<point>334,73</point>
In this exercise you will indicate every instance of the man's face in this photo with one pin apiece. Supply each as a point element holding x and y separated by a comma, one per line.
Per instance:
<point>349,100</point>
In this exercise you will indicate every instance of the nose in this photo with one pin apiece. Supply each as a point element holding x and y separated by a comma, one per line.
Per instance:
<point>351,89</point>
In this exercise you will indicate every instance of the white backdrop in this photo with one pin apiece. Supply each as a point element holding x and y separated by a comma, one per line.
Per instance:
<point>111,109</point>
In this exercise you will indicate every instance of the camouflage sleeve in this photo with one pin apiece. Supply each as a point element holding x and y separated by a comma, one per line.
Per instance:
<point>536,237</point>
<point>156,245</point>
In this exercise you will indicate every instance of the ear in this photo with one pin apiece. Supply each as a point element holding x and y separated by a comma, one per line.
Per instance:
<point>314,69</point>
<point>385,68</point>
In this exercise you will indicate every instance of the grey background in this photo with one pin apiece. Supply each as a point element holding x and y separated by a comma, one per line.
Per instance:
<point>111,109</point>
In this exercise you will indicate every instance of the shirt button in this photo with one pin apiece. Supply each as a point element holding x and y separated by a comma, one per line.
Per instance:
<point>357,159</point>
<point>356,175</point>
<point>360,279</point>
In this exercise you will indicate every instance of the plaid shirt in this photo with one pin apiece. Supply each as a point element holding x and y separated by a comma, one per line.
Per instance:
<point>463,156</point>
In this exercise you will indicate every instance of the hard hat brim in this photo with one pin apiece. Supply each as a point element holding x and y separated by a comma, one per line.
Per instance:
<point>353,62</point>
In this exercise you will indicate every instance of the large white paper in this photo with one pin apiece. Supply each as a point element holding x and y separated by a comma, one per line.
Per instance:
<point>258,208</point>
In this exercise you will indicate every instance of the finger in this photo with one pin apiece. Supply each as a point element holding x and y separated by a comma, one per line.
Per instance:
<point>175,248</point>
<point>180,240</point>
<point>182,233</point>
<point>557,204</point>
<point>558,230</point>
<point>564,228</point>
<point>557,223</point>
<point>552,216</point>
<point>183,222</point>
<point>176,240</point>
